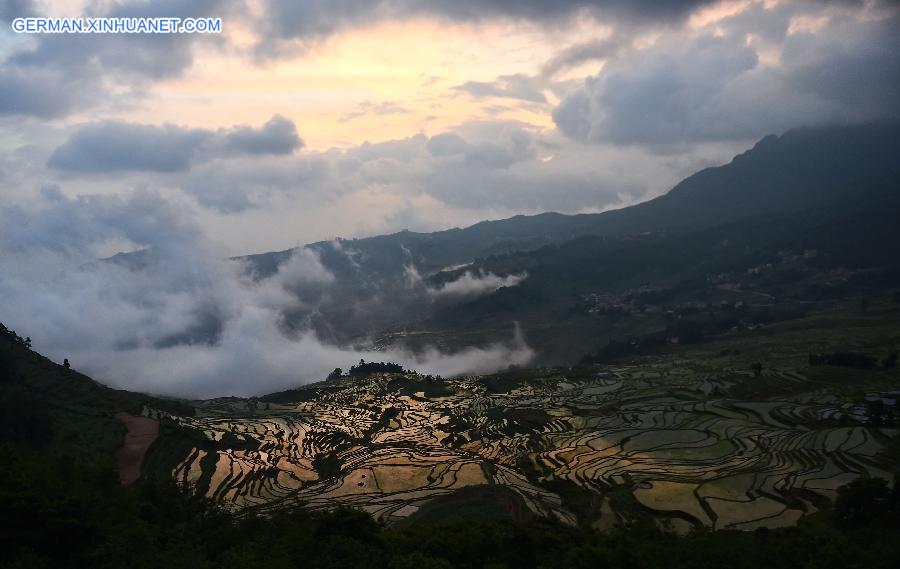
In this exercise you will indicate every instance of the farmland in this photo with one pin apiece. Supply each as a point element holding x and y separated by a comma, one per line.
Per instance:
<point>703,436</point>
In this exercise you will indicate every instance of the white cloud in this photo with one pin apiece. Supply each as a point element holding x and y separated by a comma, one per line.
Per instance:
<point>179,319</point>
<point>473,284</point>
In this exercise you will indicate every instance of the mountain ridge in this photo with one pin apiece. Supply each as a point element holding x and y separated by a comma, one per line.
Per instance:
<point>780,173</point>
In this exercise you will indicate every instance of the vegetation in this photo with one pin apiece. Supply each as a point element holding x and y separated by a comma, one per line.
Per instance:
<point>60,510</point>
<point>367,368</point>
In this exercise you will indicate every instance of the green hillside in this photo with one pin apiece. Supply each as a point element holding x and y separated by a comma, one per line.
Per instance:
<point>45,404</point>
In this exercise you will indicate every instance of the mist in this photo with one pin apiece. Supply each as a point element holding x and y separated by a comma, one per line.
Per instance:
<point>470,284</point>
<point>178,317</point>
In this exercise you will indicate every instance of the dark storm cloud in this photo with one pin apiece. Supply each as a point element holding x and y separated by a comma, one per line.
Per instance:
<point>309,21</point>
<point>115,146</point>
<point>278,136</point>
<point>713,87</point>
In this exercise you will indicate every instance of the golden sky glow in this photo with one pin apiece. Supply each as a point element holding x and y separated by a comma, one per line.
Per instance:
<point>409,68</point>
<point>413,65</point>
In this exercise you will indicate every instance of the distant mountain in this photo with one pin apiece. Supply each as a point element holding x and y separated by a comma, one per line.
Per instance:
<point>591,290</point>
<point>779,174</point>
<point>833,189</point>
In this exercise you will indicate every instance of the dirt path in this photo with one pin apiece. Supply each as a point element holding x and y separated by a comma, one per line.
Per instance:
<point>142,431</point>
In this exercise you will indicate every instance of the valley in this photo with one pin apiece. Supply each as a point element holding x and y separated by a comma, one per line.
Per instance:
<point>695,436</point>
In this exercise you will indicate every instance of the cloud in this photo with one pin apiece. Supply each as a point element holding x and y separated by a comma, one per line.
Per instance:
<point>660,100</point>
<point>512,145</point>
<point>518,86</point>
<point>580,53</point>
<point>278,136</point>
<point>716,86</point>
<point>78,71</point>
<point>74,228</point>
<point>184,320</point>
<point>251,182</point>
<point>134,55</point>
<point>256,202</point>
<point>43,93</point>
<point>476,171</point>
<point>12,9</point>
<point>487,169</point>
<point>302,23</point>
<point>472,284</point>
<point>116,146</point>
<point>542,10</point>
<point>302,268</point>
<point>494,357</point>
<point>384,108</point>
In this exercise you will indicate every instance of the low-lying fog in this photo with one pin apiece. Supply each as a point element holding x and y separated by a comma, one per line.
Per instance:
<point>189,322</point>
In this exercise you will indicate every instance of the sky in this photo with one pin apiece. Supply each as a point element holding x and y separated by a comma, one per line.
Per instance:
<point>306,120</point>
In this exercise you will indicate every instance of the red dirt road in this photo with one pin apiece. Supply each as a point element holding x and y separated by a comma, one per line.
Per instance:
<point>142,431</point>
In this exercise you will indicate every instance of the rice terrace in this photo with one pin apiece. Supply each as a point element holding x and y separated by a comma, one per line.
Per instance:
<point>698,437</point>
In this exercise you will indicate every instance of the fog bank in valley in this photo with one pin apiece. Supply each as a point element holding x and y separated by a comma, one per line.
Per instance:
<point>179,318</point>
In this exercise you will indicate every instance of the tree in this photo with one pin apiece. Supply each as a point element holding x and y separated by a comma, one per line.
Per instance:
<point>336,374</point>
<point>364,368</point>
<point>861,501</point>
<point>66,363</point>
